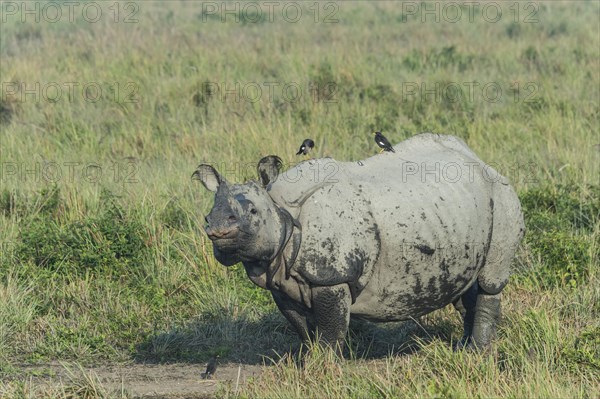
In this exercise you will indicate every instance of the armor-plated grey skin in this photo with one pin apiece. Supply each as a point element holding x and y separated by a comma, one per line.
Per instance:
<point>389,238</point>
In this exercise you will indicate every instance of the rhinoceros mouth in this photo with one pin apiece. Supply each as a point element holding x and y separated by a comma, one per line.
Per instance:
<point>229,245</point>
<point>223,234</point>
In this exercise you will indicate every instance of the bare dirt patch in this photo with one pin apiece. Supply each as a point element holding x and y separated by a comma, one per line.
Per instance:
<point>177,380</point>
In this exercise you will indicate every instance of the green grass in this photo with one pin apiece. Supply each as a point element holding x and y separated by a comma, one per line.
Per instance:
<point>103,255</point>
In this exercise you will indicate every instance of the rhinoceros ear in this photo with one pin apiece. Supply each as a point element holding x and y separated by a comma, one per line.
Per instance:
<point>210,178</point>
<point>268,168</point>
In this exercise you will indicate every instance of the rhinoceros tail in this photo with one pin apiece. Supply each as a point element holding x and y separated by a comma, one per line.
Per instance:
<point>507,231</point>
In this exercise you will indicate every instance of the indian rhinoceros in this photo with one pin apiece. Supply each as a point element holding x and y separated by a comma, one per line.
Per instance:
<point>388,238</point>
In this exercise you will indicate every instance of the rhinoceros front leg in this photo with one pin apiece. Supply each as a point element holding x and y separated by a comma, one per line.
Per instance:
<point>296,314</point>
<point>331,309</point>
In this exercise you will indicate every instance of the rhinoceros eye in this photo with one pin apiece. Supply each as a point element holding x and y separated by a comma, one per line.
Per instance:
<point>248,206</point>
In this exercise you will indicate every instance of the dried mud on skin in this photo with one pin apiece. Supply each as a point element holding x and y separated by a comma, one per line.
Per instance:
<point>145,380</point>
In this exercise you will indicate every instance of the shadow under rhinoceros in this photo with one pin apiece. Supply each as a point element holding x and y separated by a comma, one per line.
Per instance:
<point>377,340</point>
<point>269,337</point>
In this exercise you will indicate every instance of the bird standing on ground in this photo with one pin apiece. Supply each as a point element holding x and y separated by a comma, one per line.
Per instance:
<point>383,142</point>
<point>306,146</point>
<point>211,367</point>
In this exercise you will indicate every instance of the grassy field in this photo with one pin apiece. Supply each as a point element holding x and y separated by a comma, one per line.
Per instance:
<point>103,259</point>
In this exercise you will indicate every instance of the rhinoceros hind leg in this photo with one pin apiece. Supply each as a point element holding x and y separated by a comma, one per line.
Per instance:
<point>465,305</point>
<point>487,314</point>
<point>507,232</point>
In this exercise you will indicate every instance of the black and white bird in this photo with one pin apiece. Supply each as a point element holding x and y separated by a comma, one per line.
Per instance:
<point>211,368</point>
<point>306,146</point>
<point>383,142</point>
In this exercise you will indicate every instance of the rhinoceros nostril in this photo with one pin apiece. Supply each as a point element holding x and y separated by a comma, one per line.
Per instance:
<point>232,219</point>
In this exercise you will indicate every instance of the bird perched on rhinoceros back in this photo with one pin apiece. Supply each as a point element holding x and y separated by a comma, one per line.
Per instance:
<point>305,147</point>
<point>383,142</point>
<point>389,238</point>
